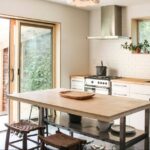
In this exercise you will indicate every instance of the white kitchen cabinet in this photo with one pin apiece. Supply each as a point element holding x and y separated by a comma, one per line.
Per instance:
<point>137,91</point>
<point>77,83</point>
<point>120,89</point>
<point>141,92</point>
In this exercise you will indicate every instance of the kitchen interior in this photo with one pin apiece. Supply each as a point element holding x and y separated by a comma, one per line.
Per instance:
<point>96,54</point>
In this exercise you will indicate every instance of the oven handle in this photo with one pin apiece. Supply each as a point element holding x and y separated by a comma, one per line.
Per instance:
<point>89,87</point>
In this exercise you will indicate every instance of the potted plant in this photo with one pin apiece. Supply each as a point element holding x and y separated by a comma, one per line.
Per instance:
<point>146,45</point>
<point>139,48</point>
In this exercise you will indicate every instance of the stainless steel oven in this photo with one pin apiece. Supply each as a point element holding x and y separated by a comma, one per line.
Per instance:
<point>98,84</point>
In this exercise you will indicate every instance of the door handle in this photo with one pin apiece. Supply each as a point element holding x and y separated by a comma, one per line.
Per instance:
<point>12,78</point>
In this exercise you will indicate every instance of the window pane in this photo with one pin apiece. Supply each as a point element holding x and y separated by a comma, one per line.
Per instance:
<point>144,30</point>
<point>36,63</point>
<point>36,58</point>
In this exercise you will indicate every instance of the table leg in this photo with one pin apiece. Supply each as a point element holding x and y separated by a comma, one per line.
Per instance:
<point>147,111</point>
<point>122,133</point>
<point>41,115</point>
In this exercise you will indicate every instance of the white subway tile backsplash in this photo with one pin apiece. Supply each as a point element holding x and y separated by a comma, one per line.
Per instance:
<point>119,61</point>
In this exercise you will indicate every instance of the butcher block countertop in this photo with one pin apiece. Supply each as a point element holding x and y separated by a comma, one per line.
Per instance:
<point>132,81</point>
<point>101,107</point>
<point>79,76</point>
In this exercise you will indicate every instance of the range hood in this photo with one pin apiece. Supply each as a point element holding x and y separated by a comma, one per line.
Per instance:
<point>111,23</point>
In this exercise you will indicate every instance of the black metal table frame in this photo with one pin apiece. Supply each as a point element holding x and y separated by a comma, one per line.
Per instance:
<point>144,136</point>
<point>123,144</point>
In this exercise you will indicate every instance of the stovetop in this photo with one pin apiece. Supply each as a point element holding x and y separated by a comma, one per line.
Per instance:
<point>103,77</point>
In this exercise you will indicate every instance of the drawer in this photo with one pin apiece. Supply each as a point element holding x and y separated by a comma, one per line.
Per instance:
<point>140,89</point>
<point>119,89</point>
<point>77,84</point>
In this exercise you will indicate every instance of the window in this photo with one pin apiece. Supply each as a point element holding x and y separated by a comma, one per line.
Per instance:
<point>36,63</point>
<point>143,31</point>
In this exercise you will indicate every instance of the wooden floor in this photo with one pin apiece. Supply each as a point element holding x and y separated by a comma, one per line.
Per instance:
<point>108,146</point>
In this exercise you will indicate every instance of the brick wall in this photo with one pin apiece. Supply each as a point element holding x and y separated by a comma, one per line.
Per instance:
<point>5,78</point>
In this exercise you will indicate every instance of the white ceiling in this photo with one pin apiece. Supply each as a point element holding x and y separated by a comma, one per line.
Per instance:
<point>104,2</point>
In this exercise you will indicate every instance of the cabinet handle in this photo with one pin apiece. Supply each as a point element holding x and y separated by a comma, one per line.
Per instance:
<point>120,94</point>
<point>141,94</point>
<point>76,81</point>
<point>120,85</point>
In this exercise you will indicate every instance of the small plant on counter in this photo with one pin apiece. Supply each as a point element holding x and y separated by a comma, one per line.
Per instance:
<point>139,48</point>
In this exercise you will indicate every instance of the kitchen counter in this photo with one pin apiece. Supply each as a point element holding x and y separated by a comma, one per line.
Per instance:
<point>80,76</point>
<point>132,81</point>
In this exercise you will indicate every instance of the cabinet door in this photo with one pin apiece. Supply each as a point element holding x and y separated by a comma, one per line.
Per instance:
<point>141,92</point>
<point>77,83</point>
<point>120,89</point>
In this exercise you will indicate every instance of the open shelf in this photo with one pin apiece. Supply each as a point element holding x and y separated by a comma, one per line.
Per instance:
<point>88,127</point>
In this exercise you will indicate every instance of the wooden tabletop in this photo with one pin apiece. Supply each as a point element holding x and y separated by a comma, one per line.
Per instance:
<point>102,107</point>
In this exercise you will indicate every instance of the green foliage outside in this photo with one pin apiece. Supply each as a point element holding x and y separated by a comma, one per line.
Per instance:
<point>37,63</point>
<point>143,45</point>
<point>144,31</point>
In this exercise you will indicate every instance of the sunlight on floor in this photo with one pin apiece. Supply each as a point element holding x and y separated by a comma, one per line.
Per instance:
<point>3,120</point>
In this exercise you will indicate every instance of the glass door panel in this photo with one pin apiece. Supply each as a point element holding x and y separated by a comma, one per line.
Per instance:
<point>36,61</point>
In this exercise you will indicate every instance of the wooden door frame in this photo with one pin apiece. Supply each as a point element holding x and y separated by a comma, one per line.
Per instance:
<point>18,65</point>
<point>56,47</point>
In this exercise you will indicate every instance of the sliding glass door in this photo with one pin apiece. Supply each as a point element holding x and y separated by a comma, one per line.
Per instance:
<point>36,61</point>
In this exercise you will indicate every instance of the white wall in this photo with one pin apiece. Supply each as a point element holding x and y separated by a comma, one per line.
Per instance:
<point>74,30</point>
<point>119,61</point>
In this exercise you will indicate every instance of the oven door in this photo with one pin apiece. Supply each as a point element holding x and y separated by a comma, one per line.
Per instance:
<point>102,90</point>
<point>89,89</point>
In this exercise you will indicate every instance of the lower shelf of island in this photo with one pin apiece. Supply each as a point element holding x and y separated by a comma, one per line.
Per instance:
<point>88,127</point>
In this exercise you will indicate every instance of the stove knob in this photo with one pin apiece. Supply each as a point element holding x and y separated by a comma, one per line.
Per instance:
<point>92,82</point>
<point>98,82</point>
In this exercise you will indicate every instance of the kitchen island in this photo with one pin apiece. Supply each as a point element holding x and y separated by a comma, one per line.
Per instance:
<point>102,107</point>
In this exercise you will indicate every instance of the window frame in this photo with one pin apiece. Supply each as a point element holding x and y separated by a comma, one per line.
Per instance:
<point>40,25</point>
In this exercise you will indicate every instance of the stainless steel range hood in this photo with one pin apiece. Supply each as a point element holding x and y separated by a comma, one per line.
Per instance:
<point>111,23</point>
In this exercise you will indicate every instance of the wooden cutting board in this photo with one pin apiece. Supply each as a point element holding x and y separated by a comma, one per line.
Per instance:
<point>76,95</point>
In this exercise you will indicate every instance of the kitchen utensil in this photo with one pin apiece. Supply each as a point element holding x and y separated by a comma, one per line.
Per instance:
<point>76,95</point>
<point>101,70</point>
<point>103,126</point>
<point>129,129</point>
<point>74,118</point>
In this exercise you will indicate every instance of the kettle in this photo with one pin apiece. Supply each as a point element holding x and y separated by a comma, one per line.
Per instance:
<point>101,70</point>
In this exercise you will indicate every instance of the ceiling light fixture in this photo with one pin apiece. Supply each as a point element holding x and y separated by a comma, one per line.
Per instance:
<point>84,3</point>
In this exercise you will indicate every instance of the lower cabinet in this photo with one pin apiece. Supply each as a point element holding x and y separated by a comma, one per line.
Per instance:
<point>77,83</point>
<point>137,91</point>
<point>120,89</point>
<point>141,92</point>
